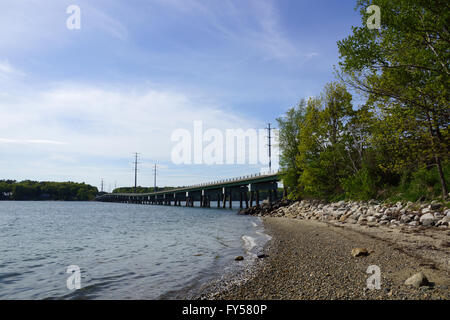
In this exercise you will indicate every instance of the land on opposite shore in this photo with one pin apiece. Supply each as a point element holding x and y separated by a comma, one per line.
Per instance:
<point>308,259</point>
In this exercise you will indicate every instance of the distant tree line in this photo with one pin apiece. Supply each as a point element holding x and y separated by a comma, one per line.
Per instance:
<point>33,190</point>
<point>395,144</point>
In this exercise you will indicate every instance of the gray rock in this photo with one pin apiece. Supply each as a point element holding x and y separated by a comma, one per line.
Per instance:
<point>435,206</point>
<point>405,219</point>
<point>444,222</point>
<point>427,219</point>
<point>417,280</point>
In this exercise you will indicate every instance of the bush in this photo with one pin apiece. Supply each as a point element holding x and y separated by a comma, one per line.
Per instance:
<point>360,186</point>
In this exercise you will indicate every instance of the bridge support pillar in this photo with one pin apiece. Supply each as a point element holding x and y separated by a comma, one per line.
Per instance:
<point>246,199</point>
<point>240,200</point>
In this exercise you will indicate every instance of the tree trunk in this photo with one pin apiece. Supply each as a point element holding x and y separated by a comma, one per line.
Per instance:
<point>441,176</point>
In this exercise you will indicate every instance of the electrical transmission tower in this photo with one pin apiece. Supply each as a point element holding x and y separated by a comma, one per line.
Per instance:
<point>135,170</point>
<point>154,189</point>
<point>270,146</point>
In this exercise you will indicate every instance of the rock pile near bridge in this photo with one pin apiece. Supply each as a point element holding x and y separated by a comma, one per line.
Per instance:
<point>369,213</point>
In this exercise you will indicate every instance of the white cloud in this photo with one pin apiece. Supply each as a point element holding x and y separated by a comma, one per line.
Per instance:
<point>7,70</point>
<point>41,25</point>
<point>64,132</point>
<point>94,121</point>
<point>30,141</point>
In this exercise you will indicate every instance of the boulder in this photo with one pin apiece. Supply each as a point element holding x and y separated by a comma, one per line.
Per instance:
<point>405,219</point>
<point>435,206</point>
<point>427,219</point>
<point>239,258</point>
<point>417,280</point>
<point>444,222</point>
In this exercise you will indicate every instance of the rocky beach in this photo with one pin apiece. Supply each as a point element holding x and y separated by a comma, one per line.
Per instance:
<point>329,250</point>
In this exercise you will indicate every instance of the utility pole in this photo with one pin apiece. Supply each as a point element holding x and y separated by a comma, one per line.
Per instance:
<point>154,189</point>
<point>101,189</point>
<point>270,147</point>
<point>135,170</point>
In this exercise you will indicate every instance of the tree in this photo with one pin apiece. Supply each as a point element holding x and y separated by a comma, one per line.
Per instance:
<point>289,125</point>
<point>404,69</point>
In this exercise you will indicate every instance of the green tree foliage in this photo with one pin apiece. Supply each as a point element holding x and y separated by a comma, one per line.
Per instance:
<point>322,155</point>
<point>33,190</point>
<point>288,126</point>
<point>396,145</point>
<point>404,69</point>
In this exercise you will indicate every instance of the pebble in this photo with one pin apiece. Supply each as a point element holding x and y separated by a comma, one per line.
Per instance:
<point>360,252</point>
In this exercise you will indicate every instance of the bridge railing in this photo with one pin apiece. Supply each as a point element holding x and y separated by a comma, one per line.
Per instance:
<point>232,179</point>
<point>206,184</point>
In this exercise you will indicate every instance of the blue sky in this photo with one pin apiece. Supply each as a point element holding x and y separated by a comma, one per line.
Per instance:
<point>75,104</point>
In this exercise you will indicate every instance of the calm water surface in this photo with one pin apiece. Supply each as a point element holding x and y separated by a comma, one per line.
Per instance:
<point>124,251</point>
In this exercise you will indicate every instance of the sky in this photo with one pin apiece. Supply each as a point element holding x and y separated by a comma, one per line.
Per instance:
<point>75,104</point>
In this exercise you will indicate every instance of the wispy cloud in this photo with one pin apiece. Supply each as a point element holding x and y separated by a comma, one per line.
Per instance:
<point>253,24</point>
<point>7,69</point>
<point>30,141</point>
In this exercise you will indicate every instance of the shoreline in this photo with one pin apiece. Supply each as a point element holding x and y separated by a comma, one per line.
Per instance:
<point>308,260</point>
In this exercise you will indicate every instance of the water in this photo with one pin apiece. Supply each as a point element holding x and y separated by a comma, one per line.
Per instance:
<point>124,251</point>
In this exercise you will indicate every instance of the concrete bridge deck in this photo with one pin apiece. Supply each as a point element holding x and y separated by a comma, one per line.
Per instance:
<point>246,189</point>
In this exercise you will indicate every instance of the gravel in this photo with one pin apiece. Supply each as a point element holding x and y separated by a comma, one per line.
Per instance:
<point>310,260</point>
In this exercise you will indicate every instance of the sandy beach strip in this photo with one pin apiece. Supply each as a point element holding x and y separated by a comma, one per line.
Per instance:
<point>310,260</point>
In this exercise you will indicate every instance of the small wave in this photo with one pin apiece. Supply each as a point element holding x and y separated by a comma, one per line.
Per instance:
<point>254,224</point>
<point>264,235</point>
<point>249,242</point>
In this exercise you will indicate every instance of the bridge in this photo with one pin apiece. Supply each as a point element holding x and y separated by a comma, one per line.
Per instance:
<point>246,189</point>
